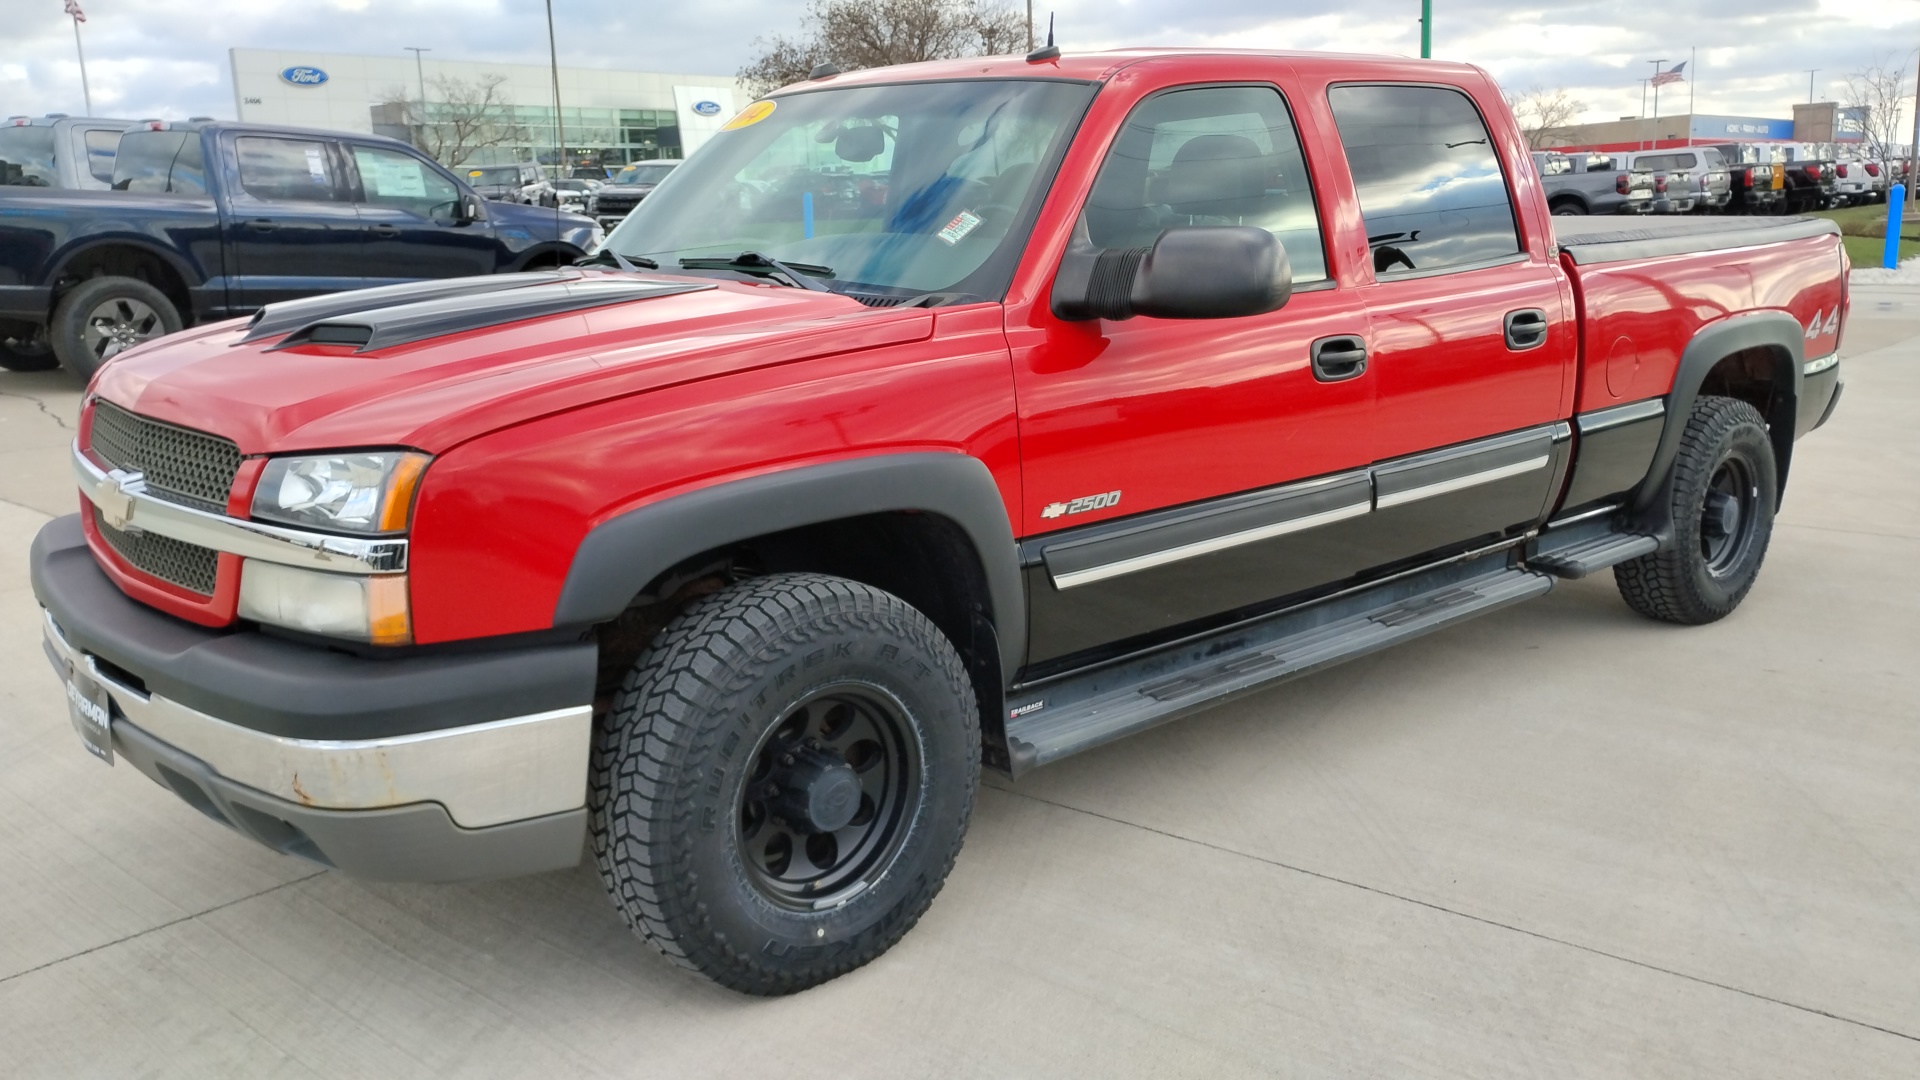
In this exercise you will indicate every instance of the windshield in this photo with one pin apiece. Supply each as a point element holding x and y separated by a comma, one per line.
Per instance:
<point>896,190</point>
<point>504,174</point>
<point>26,156</point>
<point>643,174</point>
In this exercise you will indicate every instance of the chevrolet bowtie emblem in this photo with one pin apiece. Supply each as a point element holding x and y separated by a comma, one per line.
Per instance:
<point>116,502</point>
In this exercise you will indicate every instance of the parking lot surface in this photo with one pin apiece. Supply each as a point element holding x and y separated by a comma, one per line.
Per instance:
<point>1561,841</point>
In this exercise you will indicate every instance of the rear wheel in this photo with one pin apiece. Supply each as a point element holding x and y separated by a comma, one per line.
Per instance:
<point>784,780</point>
<point>105,316</point>
<point>1720,495</point>
<point>1567,208</point>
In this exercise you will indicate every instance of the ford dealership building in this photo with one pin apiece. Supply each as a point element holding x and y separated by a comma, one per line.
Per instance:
<point>610,117</point>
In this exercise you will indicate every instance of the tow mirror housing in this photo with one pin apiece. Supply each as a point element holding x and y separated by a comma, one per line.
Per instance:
<point>1190,272</point>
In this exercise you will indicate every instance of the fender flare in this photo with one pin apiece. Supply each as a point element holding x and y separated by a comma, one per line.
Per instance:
<point>1776,331</point>
<point>80,246</point>
<point>566,251</point>
<point>622,555</point>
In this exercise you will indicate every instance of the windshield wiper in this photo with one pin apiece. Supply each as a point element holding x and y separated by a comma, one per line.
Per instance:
<point>753,262</point>
<point>607,256</point>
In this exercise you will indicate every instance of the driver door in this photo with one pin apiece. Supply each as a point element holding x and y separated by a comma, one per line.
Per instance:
<point>410,228</point>
<point>1177,470</point>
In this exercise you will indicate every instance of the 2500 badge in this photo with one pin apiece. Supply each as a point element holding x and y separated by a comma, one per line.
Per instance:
<point>1081,505</point>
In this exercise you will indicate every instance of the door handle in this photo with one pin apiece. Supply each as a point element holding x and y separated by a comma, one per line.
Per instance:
<point>1526,329</point>
<point>262,225</point>
<point>1336,359</point>
<point>386,230</point>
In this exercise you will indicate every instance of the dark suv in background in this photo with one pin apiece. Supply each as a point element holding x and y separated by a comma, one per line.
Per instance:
<point>616,198</point>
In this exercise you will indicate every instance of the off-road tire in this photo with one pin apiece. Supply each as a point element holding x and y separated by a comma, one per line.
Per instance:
<point>672,756</point>
<point>71,315</point>
<point>1679,583</point>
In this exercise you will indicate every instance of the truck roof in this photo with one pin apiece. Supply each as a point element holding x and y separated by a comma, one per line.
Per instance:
<point>1097,66</point>
<point>258,129</point>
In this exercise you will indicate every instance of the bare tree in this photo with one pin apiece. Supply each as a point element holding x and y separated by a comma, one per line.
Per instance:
<point>1544,115</point>
<point>854,34</point>
<point>460,118</point>
<point>1878,92</point>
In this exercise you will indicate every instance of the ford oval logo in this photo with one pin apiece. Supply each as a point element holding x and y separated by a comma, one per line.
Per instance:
<point>303,76</point>
<point>707,108</point>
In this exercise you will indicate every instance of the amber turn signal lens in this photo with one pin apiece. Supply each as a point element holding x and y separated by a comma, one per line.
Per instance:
<point>389,621</point>
<point>397,505</point>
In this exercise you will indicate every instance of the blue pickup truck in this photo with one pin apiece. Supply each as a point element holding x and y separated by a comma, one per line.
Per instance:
<point>210,220</point>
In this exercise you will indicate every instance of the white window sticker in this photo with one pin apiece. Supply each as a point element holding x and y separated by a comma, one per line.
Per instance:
<point>963,223</point>
<point>316,166</point>
<point>394,179</point>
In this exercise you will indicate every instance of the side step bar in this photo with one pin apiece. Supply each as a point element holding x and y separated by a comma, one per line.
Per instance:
<point>1578,550</point>
<point>1080,711</point>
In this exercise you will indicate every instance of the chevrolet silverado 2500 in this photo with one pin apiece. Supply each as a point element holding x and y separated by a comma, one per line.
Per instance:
<point>1145,380</point>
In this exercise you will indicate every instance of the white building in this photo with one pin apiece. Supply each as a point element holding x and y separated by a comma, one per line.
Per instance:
<point>610,117</point>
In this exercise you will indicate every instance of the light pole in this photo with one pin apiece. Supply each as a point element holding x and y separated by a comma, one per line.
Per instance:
<point>1810,72</point>
<point>420,70</point>
<point>559,125</point>
<point>1426,29</point>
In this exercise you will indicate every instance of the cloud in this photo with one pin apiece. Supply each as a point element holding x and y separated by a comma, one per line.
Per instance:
<point>169,57</point>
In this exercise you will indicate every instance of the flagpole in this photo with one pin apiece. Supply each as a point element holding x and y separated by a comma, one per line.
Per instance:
<point>1693,81</point>
<point>85,90</point>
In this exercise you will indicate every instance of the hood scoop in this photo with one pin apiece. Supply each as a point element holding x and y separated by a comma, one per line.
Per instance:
<point>418,318</point>
<point>276,319</point>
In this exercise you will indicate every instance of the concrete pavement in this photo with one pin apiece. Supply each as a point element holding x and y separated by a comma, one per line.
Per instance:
<point>1561,842</point>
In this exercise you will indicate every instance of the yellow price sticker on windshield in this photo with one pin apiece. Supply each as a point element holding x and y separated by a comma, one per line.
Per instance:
<point>750,115</point>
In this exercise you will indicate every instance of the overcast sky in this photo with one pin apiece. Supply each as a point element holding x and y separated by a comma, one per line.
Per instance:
<point>169,57</point>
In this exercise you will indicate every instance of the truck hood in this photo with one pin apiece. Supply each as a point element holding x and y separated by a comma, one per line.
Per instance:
<point>434,364</point>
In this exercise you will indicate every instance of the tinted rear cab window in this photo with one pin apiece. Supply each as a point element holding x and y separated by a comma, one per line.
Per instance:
<point>26,156</point>
<point>160,162</point>
<point>1431,191</point>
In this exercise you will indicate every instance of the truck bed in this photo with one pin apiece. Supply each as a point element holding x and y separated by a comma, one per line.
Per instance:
<point>1589,240</point>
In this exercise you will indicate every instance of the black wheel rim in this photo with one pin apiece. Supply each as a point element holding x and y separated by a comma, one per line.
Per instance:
<point>845,731</point>
<point>1727,516</point>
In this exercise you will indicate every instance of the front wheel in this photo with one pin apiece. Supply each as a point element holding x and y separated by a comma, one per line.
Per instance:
<point>1720,495</point>
<point>784,780</point>
<point>105,316</point>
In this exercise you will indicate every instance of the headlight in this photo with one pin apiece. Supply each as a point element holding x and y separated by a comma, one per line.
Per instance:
<point>373,609</point>
<point>358,493</point>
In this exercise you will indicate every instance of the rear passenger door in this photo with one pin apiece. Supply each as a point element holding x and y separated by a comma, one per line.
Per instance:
<point>1473,339</point>
<point>410,212</point>
<point>291,226</point>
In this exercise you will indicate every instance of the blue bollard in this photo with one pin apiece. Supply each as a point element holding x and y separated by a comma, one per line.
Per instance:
<point>806,214</point>
<point>1896,201</point>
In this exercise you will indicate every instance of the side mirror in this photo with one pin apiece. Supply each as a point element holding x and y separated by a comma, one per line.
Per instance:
<point>1190,272</point>
<point>467,211</point>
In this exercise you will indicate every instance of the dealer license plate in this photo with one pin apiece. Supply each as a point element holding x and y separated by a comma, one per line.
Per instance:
<point>91,711</point>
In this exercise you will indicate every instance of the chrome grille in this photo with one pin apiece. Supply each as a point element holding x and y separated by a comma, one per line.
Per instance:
<point>182,466</point>
<point>189,566</point>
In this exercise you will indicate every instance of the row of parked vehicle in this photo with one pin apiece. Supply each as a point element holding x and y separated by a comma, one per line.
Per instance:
<point>115,232</point>
<point>1729,178</point>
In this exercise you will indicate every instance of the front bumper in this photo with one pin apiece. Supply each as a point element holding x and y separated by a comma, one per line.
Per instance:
<point>425,768</point>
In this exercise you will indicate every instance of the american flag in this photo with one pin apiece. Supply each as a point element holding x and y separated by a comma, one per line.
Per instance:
<point>73,9</point>
<point>1661,79</point>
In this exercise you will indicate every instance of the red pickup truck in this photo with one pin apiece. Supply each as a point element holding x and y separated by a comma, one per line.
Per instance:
<point>975,412</point>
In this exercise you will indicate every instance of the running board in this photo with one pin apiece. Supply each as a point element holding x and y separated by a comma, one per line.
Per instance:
<point>1081,711</point>
<point>1579,550</point>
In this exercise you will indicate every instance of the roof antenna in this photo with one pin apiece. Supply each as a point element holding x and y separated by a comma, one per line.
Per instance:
<point>1050,51</point>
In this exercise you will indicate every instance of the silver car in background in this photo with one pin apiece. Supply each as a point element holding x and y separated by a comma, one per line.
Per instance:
<point>1689,179</point>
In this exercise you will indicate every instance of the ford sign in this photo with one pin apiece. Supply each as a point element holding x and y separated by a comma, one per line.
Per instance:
<point>707,108</point>
<point>303,76</point>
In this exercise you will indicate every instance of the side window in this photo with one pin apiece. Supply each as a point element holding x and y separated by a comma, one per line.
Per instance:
<point>1430,187</point>
<point>286,170</point>
<point>100,146</point>
<point>390,178</point>
<point>1226,155</point>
